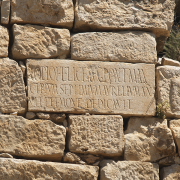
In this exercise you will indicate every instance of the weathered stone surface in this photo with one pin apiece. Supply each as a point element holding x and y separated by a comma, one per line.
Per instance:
<point>96,134</point>
<point>89,158</point>
<point>32,41</point>
<point>5,155</point>
<point>72,158</point>
<point>126,46</point>
<point>30,115</point>
<point>57,12</point>
<point>16,169</point>
<point>170,160</point>
<point>35,139</point>
<point>148,139</point>
<point>4,36</point>
<point>128,170</point>
<point>12,88</point>
<point>170,173</point>
<point>23,68</point>
<point>168,87</point>
<point>43,116</point>
<point>5,11</point>
<point>91,86</point>
<point>170,62</point>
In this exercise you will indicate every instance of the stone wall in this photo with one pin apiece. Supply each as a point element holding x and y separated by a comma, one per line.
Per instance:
<point>79,85</point>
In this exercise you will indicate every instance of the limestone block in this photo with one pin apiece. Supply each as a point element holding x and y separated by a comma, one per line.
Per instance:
<point>148,139</point>
<point>126,46</point>
<point>170,160</point>
<point>170,173</point>
<point>32,41</point>
<point>17,169</point>
<point>4,36</point>
<point>130,170</point>
<point>154,16</point>
<point>91,87</point>
<point>5,11</point>
<point>12,88</point>
<point>35,139</point>
<point>96,134</point>
<point>168,87</point>
<point>170,62</point>
<point>57,12</point>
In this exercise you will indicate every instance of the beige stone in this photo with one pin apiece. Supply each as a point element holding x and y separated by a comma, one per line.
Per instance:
<point>72,158</point>
<point>57,12</point>
<point>91,87</point>
<point>168,87</point>
<point>17,169</point>
<point>125,46</point>
<point>32,41</point>
<point>57,118</point>
<point>5,155</point>
<point>4,36</point>
<point>170,173</point>
<point>96,134</point>
<point>90,159</point>
<point>23,68</point>
<point>5,11</point>
<point>148,139</point>
<point>170,62</point>
<point>32,139</point>
<point>12,88</point>
<point>170,160</point>
<point>43,116</point>
<point>30,115</point>
<point>131,170</point>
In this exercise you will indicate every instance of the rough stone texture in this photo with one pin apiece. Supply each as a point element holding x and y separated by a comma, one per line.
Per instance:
<point>170,62</point>
<point>43,116</point>
<point>154,16</point>
<point>170,173</point>
<point>111,170</point>
<point>23,68</point>
<point>168,87</point>
<point>57,12</point>
<point>170,160</point>
<point>16,169</point>
<point>5,11</point>
<point>72,158</point>
<point>32,41</point>
<point>4,36</point>
<point>30,115</point>
<point>12,88</point>
<point>35,139</point>
<point>5,155</point>
<point>148,139</point>
<point>57,118</point>
<point>117,46</point>
<point>89,158</point>
<point>91,87</point>
<point>96,134</point>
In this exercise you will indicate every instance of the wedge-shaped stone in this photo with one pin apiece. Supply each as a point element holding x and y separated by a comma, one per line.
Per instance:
<point>17,169</point>
<point>12,88</point>
<point>31,41</point>
<point>96,134</point>
<point>130,170</point>
<point>4,37</point>
<point>123,46</point>
<point>148,139</point>
<point>93,87</point>
<point>37,139</point>
<point>154,16</point>
<point>170,62</point>
<point>5,11</point>
<point>57,12</point>
<point>170,173</point>
<point>168,88</point>
<point>170,160</point>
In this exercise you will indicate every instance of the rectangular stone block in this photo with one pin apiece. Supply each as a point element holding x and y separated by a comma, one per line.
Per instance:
<point>32,41</point>
<point>47,12</point>
<point>126,46</point>
<point>93,87</point>
<point>18,169</point>
<point>96,134</point>
<point>4,37</point>
<point>5,11</point>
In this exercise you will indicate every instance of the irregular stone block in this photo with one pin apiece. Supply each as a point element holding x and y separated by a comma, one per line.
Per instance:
<point>35,139</point>
<point>5,155</point>
<point>128,170</point>
<point>168,87</point>
<point>57,12</point>
<point>12,88</point>
<point>72,158</point>
<point>4,36</point>
<point>91,87</point>
<point>170,62</point>
<point>148,139</point>
<point>17,169</point>
<point>170,160</point>
<point>96,134</point>
<point>31,41</point>
<point>5,11</point>
<point>123,46</point>
<point>170,173</point>
<point>154,16</point>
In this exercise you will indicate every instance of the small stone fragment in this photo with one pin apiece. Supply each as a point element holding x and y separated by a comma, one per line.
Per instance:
<point>65,123</point>
<point>170,160</point>
<point>170,62</point>
<point>23,67</point>
<point>5,12</point>
<point>89,158</point>
<point>43,116</point>
<point>14,113</point>
<point>57,118</point>
<point>71,158</point>
<point>30,115</point>
<point>4,36</point>
<point>5,155</point>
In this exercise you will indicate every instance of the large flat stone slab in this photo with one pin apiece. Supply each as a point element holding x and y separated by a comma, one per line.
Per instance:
<point>57,12</point>
<point>93,87</point>
<point>33,139</point>
<point>128,170</point>
<point>17,169</point>
<point>96,134</point>
<point>148,139</point>
<point>168,87</point>
<point>126,46</point>
<point>12,87</point>
<point>4,37</point>
<point>32,41</point>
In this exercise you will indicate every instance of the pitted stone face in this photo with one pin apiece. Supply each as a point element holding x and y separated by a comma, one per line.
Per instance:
<point>93,87</point>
